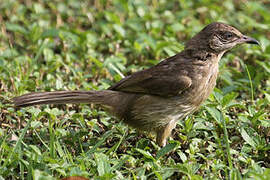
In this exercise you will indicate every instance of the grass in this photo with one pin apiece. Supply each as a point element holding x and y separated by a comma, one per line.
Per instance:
<point>70,45</point>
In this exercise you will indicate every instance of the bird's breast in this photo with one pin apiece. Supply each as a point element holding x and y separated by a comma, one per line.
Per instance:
<point>203,83</point>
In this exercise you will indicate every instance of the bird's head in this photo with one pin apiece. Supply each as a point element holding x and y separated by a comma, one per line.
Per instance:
<point>219,37</point>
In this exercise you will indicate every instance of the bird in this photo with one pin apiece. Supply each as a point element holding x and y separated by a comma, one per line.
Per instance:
<point>155,99</point>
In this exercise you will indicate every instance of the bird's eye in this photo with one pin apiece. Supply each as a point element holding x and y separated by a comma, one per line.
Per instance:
<point>228,35</point>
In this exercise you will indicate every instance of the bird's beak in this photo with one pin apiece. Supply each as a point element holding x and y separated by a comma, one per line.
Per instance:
<point>249,40</point>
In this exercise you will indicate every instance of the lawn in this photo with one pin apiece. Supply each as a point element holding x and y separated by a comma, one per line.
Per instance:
<point>89,45</point>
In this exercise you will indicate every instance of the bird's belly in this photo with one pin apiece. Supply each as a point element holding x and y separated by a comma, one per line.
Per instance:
<point>152,112</point>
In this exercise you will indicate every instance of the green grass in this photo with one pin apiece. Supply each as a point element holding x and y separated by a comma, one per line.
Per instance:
<point>70,45</point>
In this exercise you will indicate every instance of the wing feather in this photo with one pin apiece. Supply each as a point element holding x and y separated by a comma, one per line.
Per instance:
<point>168,78</point>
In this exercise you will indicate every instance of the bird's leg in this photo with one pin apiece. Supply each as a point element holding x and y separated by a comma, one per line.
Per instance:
<point>164,132</point>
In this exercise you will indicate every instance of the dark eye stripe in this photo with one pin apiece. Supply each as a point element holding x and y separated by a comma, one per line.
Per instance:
<point>226,36</point>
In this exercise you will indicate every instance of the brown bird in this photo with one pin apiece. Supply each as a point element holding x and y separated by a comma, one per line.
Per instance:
<point>155,99</point>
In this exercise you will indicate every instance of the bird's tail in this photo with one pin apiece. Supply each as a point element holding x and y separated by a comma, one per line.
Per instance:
<point>66,97</point>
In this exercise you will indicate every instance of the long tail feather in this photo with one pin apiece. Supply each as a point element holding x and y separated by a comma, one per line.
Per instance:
<point>59,97</point>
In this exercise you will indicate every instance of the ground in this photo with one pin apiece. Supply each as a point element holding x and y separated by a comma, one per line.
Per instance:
<point>76,45</point>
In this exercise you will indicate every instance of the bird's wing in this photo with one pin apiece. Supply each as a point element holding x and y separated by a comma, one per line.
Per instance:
<point>165,79</point>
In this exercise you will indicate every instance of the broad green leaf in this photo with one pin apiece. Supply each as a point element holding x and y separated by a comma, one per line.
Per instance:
<point>146,154</point>
<point>103,165</point>
<point>216,114</point>
<point>168,148</point>
<point>247,138</point>
<point>16,28</point>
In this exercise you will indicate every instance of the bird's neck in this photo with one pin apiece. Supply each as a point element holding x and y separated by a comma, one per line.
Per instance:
<point>201,54</point>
